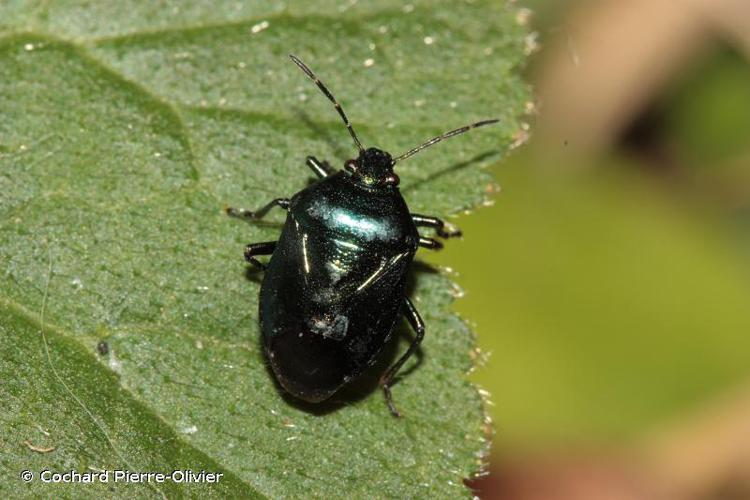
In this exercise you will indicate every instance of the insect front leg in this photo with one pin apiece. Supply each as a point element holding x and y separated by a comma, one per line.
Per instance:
<point>321,168</point>
<point>415,320</point>
<point>441,228</point>
<point>253,249</point>
<point>243,213</point>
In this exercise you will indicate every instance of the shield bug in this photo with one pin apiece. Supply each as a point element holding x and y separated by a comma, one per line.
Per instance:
<point>335,285</point>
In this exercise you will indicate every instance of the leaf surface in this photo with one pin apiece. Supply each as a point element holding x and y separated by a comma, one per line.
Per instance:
<point>125,128</point>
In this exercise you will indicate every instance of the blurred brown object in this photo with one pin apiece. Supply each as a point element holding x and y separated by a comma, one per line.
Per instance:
<point>613,57</point>
<point>707,455</point>
<point>566,476</point>
<point>703,457</point>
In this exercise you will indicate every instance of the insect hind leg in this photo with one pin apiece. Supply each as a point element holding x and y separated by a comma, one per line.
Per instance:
<point>415,320</point>
<point>253,249</point>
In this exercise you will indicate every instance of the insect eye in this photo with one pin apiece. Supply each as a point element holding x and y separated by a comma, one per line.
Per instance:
<point>350,165</point>
<point>391,180</point>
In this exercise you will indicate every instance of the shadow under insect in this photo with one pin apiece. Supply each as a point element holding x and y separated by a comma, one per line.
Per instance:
<point>451,169</point>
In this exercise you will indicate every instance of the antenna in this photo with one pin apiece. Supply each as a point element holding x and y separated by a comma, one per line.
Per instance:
<point>439,138</point>
<point>330,97</point>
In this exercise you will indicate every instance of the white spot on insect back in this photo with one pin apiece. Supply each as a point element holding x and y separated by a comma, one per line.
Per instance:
<point>334,271</point>
<point>318,208</point>
<point>334,327</point>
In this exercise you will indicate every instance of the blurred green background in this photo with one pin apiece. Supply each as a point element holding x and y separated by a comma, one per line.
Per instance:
<point>609,282</point>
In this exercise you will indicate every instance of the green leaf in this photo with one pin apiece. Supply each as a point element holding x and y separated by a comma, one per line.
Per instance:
<point>124,130</point>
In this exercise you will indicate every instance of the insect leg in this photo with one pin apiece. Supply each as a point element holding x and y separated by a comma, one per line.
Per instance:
<point>243,213</point>
<point>321,168</point>
<point>386,380</point>
<point>253,249</point>
<point>430,243</point>
<point>441,228</point>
